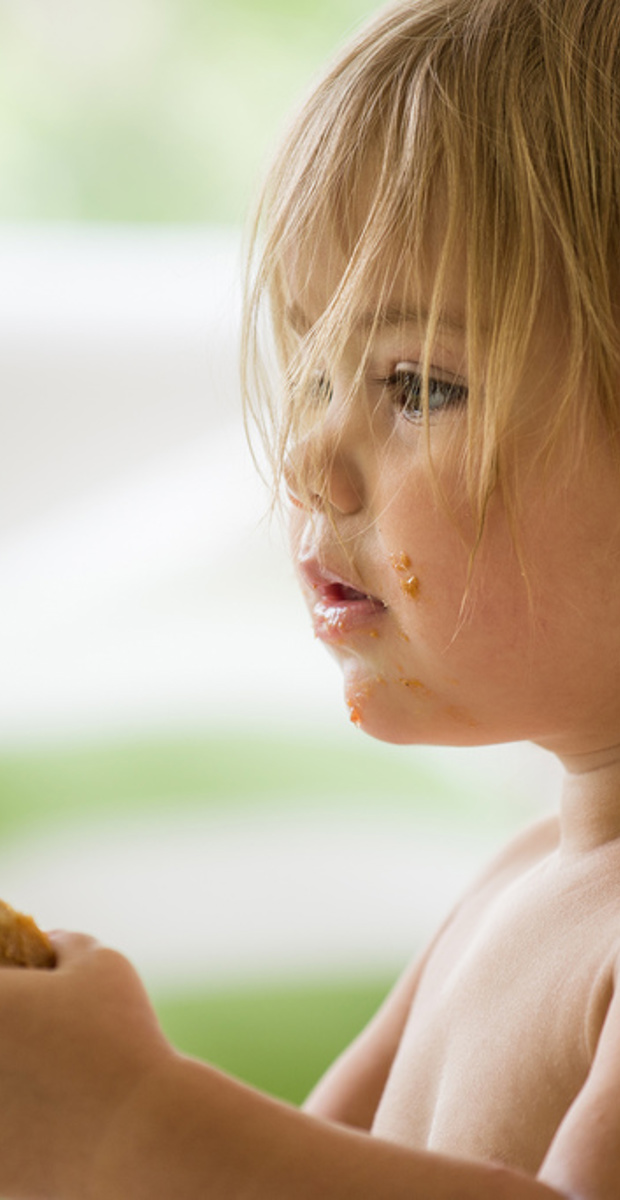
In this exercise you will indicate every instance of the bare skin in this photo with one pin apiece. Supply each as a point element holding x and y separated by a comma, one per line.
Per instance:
<point>516,990</point>
<point>517,987</point>
<point>492,1072</point>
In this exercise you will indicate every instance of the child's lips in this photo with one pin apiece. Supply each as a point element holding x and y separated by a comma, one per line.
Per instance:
<point>337,606</point>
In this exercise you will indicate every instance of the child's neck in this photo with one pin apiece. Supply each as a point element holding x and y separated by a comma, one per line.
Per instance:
<point>590,801</point>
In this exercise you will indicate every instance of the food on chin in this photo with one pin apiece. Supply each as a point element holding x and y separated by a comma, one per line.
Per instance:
<point>22,943</point>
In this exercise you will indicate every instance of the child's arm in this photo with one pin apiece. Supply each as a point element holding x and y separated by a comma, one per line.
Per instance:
<point>351,1089</point>
<point>95,1105</point>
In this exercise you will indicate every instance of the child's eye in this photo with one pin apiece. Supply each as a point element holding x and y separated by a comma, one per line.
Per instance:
<point>406,388</point>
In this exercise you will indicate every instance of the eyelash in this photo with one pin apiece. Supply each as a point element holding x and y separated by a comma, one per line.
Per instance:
<point>407,387</point>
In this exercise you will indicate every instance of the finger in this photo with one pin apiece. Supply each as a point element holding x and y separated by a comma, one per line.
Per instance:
<point>71,947</point>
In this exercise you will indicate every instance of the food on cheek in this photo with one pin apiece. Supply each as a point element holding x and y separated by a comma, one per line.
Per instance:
<point>464,718</point>
<point>411,587</point>
<point>415,684</point>
<point>410,584</point>
<point>22,943</point>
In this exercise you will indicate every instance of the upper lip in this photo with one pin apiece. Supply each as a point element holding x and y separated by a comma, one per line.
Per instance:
<point>329,584</point>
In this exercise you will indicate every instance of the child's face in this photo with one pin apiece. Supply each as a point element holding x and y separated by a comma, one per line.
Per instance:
<point>384,566</point>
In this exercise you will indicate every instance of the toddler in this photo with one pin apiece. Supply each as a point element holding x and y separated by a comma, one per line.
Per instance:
<point>438,255</point>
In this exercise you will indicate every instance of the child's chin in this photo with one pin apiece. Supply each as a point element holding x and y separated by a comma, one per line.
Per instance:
<point>413,720</point>
<point>373,711</point>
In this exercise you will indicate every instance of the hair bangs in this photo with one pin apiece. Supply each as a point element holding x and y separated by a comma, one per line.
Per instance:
<point>469,131</point>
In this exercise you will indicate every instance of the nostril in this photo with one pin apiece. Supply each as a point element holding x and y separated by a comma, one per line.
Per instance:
<point>293,499</point>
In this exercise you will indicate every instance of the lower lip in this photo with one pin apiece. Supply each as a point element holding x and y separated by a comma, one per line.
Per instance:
<point>334,620</point>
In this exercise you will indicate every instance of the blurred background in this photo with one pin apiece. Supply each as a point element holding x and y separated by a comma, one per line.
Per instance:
<point>177,772</point>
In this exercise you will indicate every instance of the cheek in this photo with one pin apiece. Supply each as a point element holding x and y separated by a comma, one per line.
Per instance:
<point>425,548</point>
<point>466,614</point>
<point>426,577</point>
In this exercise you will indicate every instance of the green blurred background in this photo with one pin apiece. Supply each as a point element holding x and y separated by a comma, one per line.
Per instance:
<point>135,124</point>
<point>149,110</point>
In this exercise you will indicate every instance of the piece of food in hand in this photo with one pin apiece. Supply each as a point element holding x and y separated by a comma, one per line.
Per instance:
<point>22,943</point>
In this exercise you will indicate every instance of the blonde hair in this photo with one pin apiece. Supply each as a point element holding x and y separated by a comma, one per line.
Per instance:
<point>509,110</point>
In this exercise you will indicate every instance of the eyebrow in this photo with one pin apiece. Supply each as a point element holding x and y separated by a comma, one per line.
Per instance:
<point>393,315</point>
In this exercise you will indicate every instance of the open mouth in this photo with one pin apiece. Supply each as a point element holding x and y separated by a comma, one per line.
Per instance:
<point>336,606</point>
<point>341,593</point>
<point>340,609</point>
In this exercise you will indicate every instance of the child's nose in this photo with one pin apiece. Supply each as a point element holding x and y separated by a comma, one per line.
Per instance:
<point>321,471</point>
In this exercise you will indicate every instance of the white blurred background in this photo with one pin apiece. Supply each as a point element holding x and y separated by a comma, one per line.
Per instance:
<point>140,581</point>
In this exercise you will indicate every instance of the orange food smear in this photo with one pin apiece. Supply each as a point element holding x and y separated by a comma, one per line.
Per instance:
<point>401,562</point>
<point>458,714</point>
<point>411,587</point>
<point>402,565</point>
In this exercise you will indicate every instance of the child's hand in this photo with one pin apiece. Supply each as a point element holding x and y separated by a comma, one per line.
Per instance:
<point>75,1044</point>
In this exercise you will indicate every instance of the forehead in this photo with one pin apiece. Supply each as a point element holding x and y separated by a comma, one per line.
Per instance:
<point>394,316</point>
<point>390,289</point>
